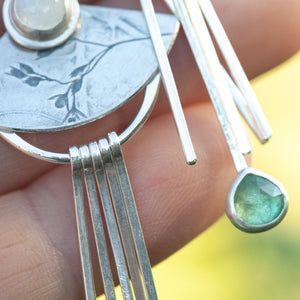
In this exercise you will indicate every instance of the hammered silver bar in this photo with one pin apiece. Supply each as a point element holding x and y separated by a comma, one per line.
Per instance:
<point>169,82</point>
<point>264,130</point>
<point>91,189</point>
<point>122,219</point>
<point>85,256</point>
<point>110,221</point>
<point>220,83</point>
<point>64,158</point>
<point>136,229</point>
<point>196,46</point>
<point>240,102</point>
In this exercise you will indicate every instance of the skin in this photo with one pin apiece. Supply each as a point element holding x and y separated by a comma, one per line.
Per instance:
<point>39,254</point>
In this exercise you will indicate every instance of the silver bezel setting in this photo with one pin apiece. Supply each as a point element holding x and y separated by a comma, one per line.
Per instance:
<point>55,38</point>
<point>230,207</point>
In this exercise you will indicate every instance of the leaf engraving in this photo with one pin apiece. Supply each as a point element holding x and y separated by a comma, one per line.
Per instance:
<point>61,100</point>
<point>78,71</point>
<point>25,68</point>
<point>122,31</point>
<point>33,81</point>
<point>45,53</point>
<point>16,73</point>
<point>76,86</point>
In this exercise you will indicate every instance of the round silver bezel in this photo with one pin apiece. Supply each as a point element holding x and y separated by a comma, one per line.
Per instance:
<point>23,37</point>
<point>230,207</point>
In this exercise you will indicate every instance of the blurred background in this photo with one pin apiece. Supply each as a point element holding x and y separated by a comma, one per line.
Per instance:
<point>224,263</point>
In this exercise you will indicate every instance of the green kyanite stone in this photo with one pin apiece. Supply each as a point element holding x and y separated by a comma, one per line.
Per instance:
<point>257,200</point>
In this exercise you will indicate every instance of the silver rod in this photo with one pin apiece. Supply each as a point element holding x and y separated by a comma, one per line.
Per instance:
<point>33,151</point>
<point>236,70</point>
<point>149,100</point>
<point>110,221</point>
<point>240,102</point>
<point>210,81</point>
<point>215,68</point>
<point>169,82</point>
<point>122,220</point>
<point>87,271</point>
<point>89,179</point>
<point>145,110</point>
<point>133,217</point>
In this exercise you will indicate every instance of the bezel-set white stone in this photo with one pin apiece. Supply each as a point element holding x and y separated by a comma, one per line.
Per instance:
<point>36,24</point>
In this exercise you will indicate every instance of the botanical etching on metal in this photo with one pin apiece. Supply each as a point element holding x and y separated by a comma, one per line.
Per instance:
<point>70,84</point>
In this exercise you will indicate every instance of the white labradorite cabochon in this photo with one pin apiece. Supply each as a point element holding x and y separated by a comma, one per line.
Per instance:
<point>103,65</point>
<point>40,24</point>
<point>39,14</point>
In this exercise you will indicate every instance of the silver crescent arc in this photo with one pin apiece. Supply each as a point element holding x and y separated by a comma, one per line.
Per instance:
<point>143,114</point>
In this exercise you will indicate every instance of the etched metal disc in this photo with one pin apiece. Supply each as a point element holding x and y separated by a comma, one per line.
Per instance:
<point>100,68</point>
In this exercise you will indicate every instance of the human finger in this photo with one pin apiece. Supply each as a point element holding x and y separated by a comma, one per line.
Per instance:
<point>39,253</point>
<point>263,34</point>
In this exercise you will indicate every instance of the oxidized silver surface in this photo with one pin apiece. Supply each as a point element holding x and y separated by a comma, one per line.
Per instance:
<point>101,67</point>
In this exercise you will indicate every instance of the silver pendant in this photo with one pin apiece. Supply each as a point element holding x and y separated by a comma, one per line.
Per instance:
<point>106,62</point>
<point>108,58</point>
<point>256,201</point>
<point>112,47</point>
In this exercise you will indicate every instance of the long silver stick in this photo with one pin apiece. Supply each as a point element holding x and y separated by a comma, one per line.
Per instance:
<point>169,81</point>
<point>240,102</point>
<point>87,271</point>
<point>133,217</point>
<point>110,221</point>
<point>122,219</point>
<point>215,67</point>
<point>108,283</point>
<point>210,82</point>
<point>237,95</point>
<point>236,70</point>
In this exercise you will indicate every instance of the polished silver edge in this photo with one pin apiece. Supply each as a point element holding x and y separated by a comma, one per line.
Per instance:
<point>98,228</point>
<point>110,220</point>
<point>134,221</point>
<point>26,42</point>
<point>144,112</point>
<point>263,128</point>
<point>122,221</point>
<point>209,78</point>
<point>85,256</point>
<point>169,82</point>
<point>46,34</point>
<point>151,94</point>
<point>230,207</point>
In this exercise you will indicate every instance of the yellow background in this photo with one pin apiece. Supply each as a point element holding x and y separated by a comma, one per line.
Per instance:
<point>224,263</point>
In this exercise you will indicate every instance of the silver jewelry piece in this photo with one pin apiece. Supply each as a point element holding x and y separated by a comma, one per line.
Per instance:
<point>115,47</point>
<point>41,24</point>
<point>118,53</point>
<point>256,201</point>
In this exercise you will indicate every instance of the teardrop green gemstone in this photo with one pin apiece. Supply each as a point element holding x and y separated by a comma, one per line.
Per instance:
<point>257,200</point>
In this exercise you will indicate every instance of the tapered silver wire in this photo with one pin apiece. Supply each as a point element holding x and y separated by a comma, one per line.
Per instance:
<point>111,222</point>
<point>122,219</point>
<point>133,217</point>
<point>89,179</point>
<point>169,82</point>
<point>85,257</point>
<point>240,102</point>
<point>215,68</point>
<point>151,92</point>
<point>210,82</point>
<point>264,131</point>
